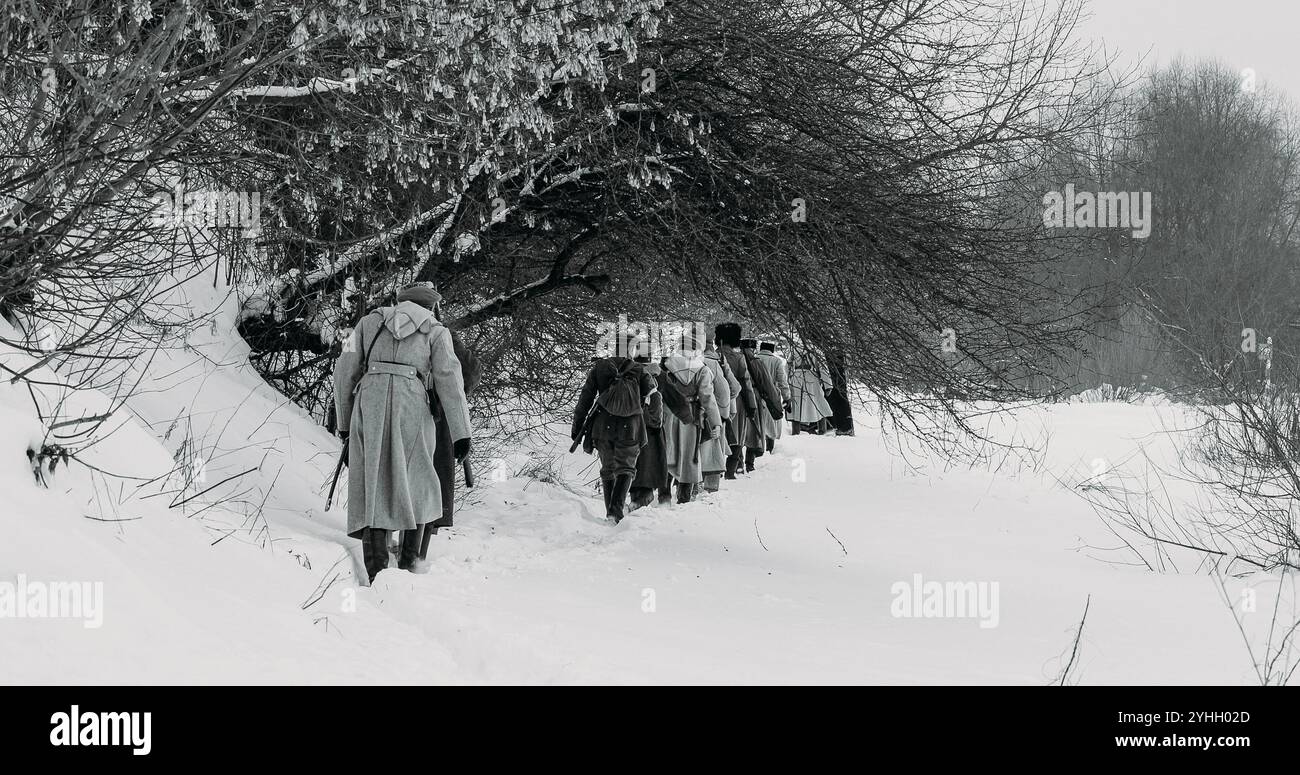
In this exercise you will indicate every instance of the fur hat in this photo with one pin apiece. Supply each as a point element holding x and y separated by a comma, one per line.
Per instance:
<point>728,333</point>
<point>749,344</point>
<point>768,347</point>
<point>422,294</point>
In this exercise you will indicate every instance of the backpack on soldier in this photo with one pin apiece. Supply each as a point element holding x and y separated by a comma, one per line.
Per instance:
<point>687,408</point>
<point>681,405</point>
<point>623,397</point>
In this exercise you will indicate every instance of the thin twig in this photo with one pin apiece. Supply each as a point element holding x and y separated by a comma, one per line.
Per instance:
<point>838,541</point>
<point>209,489</point>
<point>1074,652</point>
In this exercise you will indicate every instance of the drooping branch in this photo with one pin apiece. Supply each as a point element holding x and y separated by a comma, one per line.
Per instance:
<point>508,302</point>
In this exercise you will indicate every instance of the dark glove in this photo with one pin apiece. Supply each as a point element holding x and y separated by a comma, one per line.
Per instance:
<point>344,436</point>
<point>786,407</point>
<point>460,449</point>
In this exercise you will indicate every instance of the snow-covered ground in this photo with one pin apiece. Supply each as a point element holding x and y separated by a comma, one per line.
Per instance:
<point>790,574</point>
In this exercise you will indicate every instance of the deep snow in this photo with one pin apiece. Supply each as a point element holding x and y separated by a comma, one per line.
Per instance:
<point>785,576</point>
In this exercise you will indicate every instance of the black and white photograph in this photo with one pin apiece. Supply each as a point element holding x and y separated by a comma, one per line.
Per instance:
<point>461,343</point>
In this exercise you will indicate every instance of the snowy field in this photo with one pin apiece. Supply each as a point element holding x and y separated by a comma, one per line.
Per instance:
<point>789,575</point>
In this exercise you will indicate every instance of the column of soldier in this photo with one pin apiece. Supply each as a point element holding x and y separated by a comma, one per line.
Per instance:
<point>697,416</point>
<point>675,427</point>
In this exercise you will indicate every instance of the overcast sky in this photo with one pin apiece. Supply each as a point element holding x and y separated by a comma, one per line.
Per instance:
<point>1260,34</point>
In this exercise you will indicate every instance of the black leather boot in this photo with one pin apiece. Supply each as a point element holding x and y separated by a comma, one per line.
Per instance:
<point>750,454</point>
<point>684,492</point>
<point>641,497</point>
<point>771,444</point>
<point>426,535</point>
<point>607,487</point>
<point>374,550</point>
<point>412,543</point>
<point>733,462</point>
<point>618,496</point>
<point>665,494</point>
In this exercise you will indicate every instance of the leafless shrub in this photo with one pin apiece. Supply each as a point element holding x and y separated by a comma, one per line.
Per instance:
<point>1275,660</point>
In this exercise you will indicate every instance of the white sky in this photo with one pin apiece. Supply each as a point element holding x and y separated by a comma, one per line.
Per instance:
<point>1260,34</point>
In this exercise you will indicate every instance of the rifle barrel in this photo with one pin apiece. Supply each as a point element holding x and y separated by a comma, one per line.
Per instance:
<point>338,469</point>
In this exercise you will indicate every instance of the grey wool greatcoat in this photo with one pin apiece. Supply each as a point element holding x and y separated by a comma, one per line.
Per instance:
<point>777,371</point>
<point>808,383</point>
<point>729,407</point>
<point>746,402</point>
<point>769,404</point>
<point>392,482</point>
<point>652,463</point>
<point>693,378</point>
<point>714,452</point>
